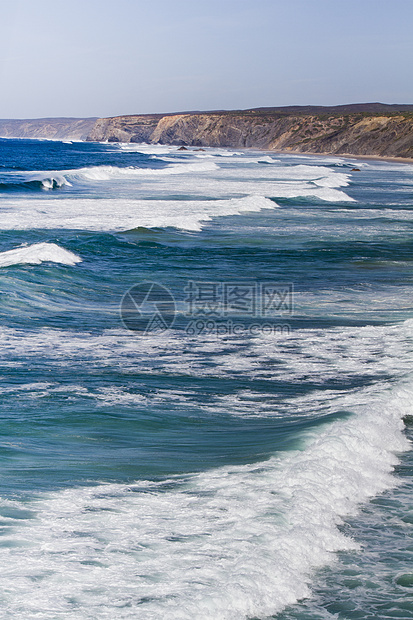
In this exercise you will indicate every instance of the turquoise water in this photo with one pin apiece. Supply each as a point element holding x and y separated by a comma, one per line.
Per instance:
<point>251,460</point>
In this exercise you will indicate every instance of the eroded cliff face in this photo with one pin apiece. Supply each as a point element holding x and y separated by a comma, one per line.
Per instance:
<point>125,128</point>
<point>360,133</point>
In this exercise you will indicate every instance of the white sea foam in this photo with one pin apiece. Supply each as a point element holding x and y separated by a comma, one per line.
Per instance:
<point>272,181</point>
<point>229,187</point>
<point>320,175</point>
<point>159,149</point>
<point>335,354</point>
<point>38,253</point>
<point>227,544</point>
<point>123,214</point>
<point>128,213</point>
<point>105,173</point>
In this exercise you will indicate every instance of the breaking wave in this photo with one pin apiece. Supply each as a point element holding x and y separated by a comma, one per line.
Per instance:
<point>124,214</point>
<point>105,173</point>
<point>230,543</point>
<point>34,182</point>
<point>38,253</point>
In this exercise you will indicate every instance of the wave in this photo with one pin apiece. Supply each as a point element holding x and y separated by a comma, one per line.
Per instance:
<point>272,181</point>
<point>159,149</point>
<point>332,180</point>
<point>124,214</point>
<point>106,173</point>
<point>38,253</point>
<point>34,181</point>
<point>229,543</point>
<point>53,180</point>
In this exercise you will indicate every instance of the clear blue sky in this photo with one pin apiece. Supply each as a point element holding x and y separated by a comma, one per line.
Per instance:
<point>104,58</point>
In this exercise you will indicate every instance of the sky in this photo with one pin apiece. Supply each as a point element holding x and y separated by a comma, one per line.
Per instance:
<point>84,58</point>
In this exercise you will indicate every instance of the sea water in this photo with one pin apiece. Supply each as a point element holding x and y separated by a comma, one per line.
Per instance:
<point>206,384</point>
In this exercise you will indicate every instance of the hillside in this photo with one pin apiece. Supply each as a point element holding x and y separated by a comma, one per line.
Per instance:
<point>50,128</point>
<point>359,129</point>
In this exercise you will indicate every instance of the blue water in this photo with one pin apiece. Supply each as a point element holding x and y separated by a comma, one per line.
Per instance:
<point>253,459</point>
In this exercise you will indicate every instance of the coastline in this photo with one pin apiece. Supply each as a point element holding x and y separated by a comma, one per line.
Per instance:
<point>404,160</point>
<point>375,131</point>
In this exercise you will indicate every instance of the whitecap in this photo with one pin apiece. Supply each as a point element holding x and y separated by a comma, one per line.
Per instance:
<point>38,253</point>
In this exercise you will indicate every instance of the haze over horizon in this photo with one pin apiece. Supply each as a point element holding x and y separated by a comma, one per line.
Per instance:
<point>82,59</point>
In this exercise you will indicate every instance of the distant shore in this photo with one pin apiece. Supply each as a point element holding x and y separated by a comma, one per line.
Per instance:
<point>363,131</point>
<point>402,160</point>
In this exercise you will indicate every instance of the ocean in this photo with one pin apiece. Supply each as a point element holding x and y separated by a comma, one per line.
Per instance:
<point>206,382</point>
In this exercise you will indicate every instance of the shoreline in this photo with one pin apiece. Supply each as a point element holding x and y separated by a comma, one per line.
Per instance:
<point>404,160</point>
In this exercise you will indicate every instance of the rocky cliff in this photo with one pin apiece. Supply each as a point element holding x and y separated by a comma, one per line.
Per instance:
<point>359,129</point>
<point>51,128</point>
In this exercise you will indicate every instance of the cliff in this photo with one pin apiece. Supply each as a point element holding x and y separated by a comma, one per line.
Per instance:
<point>51,128</point>
<point>370,129</point>
<point>360,129</point>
